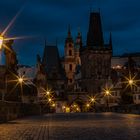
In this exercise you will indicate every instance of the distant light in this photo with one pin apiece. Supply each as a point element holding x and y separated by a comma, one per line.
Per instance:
<point>67,109</point>
<point>1,42</point>
<point>92,99</point>
<point>20,80</point>
<point>53,105</point>
<point>118,67</point>
<point>63,107</point>
<point>107,92</point>
<point>48,92</point>
<point>130,82</point>
<point>49,99</point>
<point>88,105</point>
<point>77,109</point>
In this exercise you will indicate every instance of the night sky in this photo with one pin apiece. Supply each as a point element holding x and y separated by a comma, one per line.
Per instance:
<point>40,19</point>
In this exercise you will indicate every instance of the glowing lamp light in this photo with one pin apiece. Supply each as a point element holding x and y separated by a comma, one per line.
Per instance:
<point>63,107</point>
<point>92,99</point>
<point>20,80</point>
<point>48,92</point>
<point>88,105</point>
<point>1,41</point>
<point>49,99</point>
<point>53,105</point>
<point>67,109</point>
<point>130,82</point>
<point>107,92</point>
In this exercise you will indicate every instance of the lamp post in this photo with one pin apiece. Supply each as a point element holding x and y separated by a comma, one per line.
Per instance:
<point>130,81</point>
<point>3,95</point>
<point>49,100</point>
<point>21,80</point>
<point>47,93</point>
<point>1,46</point>
<point>107,94</point>
<point>1,42</point>
<point>93,100</point>
<point>87,106</point>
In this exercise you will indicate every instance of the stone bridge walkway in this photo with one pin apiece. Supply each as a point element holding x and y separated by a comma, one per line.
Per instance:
<point>78,126</point>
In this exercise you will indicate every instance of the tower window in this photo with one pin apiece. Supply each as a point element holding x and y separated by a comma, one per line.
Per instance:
<point>70,52</point>
<point>70,67</point>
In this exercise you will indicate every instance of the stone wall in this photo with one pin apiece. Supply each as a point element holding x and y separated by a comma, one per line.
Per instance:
<point>14,110</point>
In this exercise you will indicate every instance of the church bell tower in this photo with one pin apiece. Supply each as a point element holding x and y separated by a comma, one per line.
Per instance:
<point>69,58</point>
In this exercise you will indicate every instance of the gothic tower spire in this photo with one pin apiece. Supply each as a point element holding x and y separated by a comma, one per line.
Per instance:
<point>69,58</point>
<point>69,31</point>
<point>69,37</point>
<point>95,34</point>
<point>79,38</point>
<point>110,40</point>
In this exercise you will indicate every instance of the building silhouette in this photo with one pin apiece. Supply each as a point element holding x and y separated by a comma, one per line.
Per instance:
<point>95,57</point>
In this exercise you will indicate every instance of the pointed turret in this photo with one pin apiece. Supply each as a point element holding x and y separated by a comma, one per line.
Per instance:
<point>78,47</point>
<point>110,40</point>
<point>79,39</point>
<point>95,34</point>
<point>69,37</point>
<point>44,55</point>
<point>69,32</point>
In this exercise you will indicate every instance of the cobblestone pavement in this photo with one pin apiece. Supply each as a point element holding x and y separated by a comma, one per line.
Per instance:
<point>79,126</point>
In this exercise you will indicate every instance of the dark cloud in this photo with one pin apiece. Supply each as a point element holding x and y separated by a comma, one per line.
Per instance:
<point>50,18</point>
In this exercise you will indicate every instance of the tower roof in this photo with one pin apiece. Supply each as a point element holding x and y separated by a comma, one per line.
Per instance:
<point>69,32</point>
<point>69,37</point>
<point>110,40</point>
<point>51,61</point>
<point>51,56</point>
<point>95,34</point>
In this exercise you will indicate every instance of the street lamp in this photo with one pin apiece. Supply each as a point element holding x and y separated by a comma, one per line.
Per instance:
<point>1,42</point>
<point>48,93</point>
<point>87,105</point>
<point>107,94</point>
<point>77,109</point>
<point>131,82</point>
<point>20,79</point>
<point>49,100</point>
<point>93,100</point>
<point>53,105</point>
